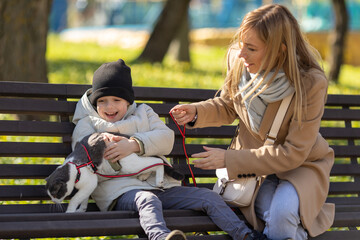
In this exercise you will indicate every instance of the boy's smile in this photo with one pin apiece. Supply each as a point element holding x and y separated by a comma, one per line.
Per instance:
<point>111,108</point>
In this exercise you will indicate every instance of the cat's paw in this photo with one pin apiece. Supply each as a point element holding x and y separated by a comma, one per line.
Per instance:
<point>143,176</point>
<point>160,184</point>
<point>70,210</point>
<point>81,209</point>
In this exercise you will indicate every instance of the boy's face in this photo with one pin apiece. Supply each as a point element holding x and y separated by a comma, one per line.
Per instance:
<point>111,108</point>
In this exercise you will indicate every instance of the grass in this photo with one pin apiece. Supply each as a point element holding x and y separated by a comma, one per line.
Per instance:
<point>76,63</point>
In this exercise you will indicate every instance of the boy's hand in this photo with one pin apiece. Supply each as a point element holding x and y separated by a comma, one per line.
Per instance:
<point>119,148</point>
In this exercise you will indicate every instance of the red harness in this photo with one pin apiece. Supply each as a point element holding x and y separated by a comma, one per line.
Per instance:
<point>94,168</point>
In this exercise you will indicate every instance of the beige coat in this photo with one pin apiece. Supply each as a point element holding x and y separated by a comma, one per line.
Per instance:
<point>301,156</point>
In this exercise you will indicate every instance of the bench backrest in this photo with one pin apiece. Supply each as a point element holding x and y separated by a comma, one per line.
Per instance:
<point>31,149</point>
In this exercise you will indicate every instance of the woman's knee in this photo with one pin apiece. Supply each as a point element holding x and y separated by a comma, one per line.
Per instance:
<point>285,206</point>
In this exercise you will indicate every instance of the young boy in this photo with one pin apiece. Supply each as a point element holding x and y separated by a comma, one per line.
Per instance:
<point>109,107</point>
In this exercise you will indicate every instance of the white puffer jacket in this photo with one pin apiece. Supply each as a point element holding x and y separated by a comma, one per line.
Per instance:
<point>140,122</point>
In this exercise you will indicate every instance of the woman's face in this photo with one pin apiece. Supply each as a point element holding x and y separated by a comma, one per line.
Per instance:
<point>252,51</point>
<point>111,108</point>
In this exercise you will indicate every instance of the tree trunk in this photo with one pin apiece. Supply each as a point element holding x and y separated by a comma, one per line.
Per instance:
<point>23,33</point>
<point>338,39</point>
<point>179,47</point>
<point>165,30</point>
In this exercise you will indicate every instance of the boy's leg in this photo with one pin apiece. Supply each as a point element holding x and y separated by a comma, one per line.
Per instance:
<point>203,199</point>
<point>150,211</point>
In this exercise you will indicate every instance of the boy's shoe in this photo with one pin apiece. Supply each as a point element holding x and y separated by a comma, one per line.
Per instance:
<point>255,235</point>
<point>176,235</point>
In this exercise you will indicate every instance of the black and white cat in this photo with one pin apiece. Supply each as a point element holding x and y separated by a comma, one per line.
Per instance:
<point>68,176</point>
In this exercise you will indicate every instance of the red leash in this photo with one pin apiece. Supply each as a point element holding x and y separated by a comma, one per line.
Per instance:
<point>183,136</point>
<point>108,176</point>
<point>132,174</point>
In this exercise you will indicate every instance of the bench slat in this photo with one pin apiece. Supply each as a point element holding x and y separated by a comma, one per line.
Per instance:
<point>345,170</point>
<point>23,192</point>
<point>40,171</point>
<point>35,128</point>
<point>34,192</point>
<point>341,114</point>
<point>33,106</point>
<point>344,200</point>
<point>77,90</point>
<point>336,235</point>
<point>26,171</point>
<point>29,149</point>
<point>340,133</point>
<point>343,100</point>
<point>42,90</point>
<point>54,107</point>
<point>344,188</point>
<point>97,227</point>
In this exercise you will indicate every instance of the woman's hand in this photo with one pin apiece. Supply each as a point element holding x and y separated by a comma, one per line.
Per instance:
<point>212,158</point>
<point>118,147</point>
<point>183,113</point>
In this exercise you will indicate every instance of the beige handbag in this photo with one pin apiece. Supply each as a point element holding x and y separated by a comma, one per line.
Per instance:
<point>239,192</point>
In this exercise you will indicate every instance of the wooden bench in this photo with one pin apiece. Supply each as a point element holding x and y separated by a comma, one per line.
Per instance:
<point>31,150</point>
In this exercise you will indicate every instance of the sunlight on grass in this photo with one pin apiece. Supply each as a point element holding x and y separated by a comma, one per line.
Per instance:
<point>76,63</point>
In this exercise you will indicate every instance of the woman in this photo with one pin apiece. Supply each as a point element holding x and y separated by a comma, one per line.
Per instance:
<point>269,60</point>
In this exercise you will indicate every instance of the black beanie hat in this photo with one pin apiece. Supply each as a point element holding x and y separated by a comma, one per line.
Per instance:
<point>112,79</point>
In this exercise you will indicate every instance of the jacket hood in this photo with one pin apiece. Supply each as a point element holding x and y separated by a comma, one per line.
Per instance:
<point>84,108</point>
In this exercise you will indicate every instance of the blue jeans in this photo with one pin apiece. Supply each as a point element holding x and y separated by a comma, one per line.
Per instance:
<point>150,204</point>
<point>277,204</point>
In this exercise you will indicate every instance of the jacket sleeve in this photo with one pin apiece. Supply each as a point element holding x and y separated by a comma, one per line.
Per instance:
<point>159,139</point>
<point>296,147</point>
<point>215,112</point>
<point>83,128</point>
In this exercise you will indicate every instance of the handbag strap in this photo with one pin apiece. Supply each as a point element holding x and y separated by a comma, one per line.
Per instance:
<point>279,118</point>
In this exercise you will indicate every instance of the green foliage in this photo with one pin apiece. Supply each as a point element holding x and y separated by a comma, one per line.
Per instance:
<point>76,63</point>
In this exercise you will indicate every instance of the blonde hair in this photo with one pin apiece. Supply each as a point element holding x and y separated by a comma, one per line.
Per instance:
<point>286,48</point>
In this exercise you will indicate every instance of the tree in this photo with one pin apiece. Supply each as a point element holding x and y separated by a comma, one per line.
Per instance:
<point>338,38</point>
<point>172,23</point>
<point>23,33</point>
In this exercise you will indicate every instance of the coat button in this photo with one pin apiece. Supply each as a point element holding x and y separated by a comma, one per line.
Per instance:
<point>239,176</point>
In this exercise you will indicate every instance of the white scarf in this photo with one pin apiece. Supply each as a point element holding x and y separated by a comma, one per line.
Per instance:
<point>278,89</point>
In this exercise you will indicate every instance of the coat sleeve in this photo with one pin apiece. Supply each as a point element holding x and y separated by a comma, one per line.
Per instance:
<point>158,139</point>
<point>296,147</point>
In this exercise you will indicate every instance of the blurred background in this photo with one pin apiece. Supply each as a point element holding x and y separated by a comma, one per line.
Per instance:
<point>178,43</point>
